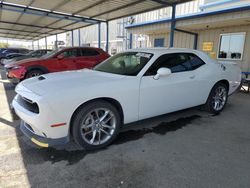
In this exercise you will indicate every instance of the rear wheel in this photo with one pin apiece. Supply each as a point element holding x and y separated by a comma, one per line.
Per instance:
<point>96,125</point>
<point>33,73</point>
<point>217,98</point>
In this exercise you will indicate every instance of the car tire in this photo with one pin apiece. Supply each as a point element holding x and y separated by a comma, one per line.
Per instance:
<point>95,125</point>
<point>33,73</point>
<point>217,98</point>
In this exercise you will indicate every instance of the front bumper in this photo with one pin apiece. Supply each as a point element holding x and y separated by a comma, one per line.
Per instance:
<point>16,75</point>
<point>39,140</point>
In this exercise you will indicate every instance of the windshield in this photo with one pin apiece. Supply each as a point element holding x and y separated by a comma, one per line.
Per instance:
<point>50,54</point>
<point>127,63</point>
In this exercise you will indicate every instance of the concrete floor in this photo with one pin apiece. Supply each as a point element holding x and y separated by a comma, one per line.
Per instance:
<point>185,149</point>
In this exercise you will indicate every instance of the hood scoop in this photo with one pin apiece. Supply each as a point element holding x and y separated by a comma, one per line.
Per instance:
<point>41,78</point>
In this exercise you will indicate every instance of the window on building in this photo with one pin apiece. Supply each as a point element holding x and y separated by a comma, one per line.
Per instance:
<point>159,42</point>
<point>231,46</point>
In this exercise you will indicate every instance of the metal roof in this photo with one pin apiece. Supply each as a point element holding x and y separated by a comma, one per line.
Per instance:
<point>35,19</point>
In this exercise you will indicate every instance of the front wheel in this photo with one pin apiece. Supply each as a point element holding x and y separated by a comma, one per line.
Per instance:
<point>33,73</point>
<point>217,98</point>
<point>96,125</point>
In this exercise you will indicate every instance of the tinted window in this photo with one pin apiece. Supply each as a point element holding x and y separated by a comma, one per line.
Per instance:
<point>177,62</point>
<point>23,51</point>
<point>71,53</point>
<point>90,52</point>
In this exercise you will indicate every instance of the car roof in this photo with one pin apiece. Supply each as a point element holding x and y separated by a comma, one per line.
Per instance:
<point>80,47</point>
<point>163,50</point>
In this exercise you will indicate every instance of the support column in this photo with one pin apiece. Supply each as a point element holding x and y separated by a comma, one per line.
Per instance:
<point>46,46</point>
<point>38,44</point>
<point>107,36</point>
<point>32,45</point>
<point>56,45</point>
<point>79,37</point>
<point>196,41</point>
<point>173,22</point>
<point>99,35</point>
<point>130,41</point>
<point>72,38</point>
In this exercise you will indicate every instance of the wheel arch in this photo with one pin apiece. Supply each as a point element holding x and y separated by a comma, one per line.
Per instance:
<point>224,81</point>
<point>37,67</point>
<point>112,101</point>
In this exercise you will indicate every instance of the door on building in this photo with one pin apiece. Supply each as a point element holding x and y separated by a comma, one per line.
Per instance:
<point>159,42</point>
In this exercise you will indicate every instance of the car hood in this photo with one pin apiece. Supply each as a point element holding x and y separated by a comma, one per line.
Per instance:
<point>68,81</point>
<point>15,63</point>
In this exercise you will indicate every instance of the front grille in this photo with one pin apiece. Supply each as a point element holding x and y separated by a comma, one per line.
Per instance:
<point>28,104</point>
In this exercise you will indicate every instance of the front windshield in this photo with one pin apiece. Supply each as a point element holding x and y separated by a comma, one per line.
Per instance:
<point>127,63</point>
<point>50,54</point>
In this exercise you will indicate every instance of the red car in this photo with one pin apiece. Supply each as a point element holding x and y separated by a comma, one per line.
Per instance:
<point>64,59</point>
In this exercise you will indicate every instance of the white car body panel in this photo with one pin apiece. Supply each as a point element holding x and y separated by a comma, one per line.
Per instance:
<point>60,94</point>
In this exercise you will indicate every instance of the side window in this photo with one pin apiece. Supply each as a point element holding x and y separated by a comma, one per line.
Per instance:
<point>176,62</point>
<point>71,53</point>
<point>90,52</point>
<point>195,61</point>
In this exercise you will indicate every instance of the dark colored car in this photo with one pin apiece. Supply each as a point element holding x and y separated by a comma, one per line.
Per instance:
<point>64,59</point>
<point>17,57</point>
<point>7,51</point>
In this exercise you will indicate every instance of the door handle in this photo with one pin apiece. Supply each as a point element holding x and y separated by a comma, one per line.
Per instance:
<point>192,77</point>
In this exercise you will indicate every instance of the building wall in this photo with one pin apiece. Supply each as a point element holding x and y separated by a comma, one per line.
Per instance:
<point>183,40</point>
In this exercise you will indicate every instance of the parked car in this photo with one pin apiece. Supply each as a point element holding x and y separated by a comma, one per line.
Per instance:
<point>7,51</point>
<point>17,56</point>
<point>64,59</point>
<point>91,105</point>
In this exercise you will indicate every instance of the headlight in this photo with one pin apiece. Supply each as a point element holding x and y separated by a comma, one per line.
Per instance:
<point>15,67</point>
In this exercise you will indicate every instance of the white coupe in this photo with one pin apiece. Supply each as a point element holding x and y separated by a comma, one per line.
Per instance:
<point>90,106</point>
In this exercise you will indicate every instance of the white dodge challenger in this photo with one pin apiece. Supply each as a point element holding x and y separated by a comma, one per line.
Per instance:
<point>90,106</point>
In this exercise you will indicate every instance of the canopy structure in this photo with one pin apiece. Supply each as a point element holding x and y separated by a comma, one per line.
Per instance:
<point>36,19</point>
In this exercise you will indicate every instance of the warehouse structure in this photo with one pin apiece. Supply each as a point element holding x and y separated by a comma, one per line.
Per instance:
<point>37,19</point>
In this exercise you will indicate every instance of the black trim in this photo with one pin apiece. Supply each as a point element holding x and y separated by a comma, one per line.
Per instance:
<point>51,142</point>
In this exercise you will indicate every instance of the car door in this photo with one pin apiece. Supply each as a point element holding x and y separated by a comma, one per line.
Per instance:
<point>67,59</point>
<point>179,90</point>
<point>88,59</point>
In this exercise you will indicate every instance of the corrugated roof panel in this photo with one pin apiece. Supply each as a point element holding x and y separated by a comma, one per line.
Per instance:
<point>19,2</point>
<point>52,23</point>
<point>9,16</point>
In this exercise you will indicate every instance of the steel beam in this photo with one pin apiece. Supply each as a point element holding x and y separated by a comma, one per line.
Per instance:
<point>107,37</point>
<point>79,37</point>
<point>56,45</point>
<point>99,35</point>
<point>46,45</point>
<point>130,41</point>
<point>72,38</point>
<point>173,23</point>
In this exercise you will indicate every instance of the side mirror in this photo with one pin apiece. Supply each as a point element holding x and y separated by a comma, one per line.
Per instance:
<point>60,56</point>
<point>162,72</point>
